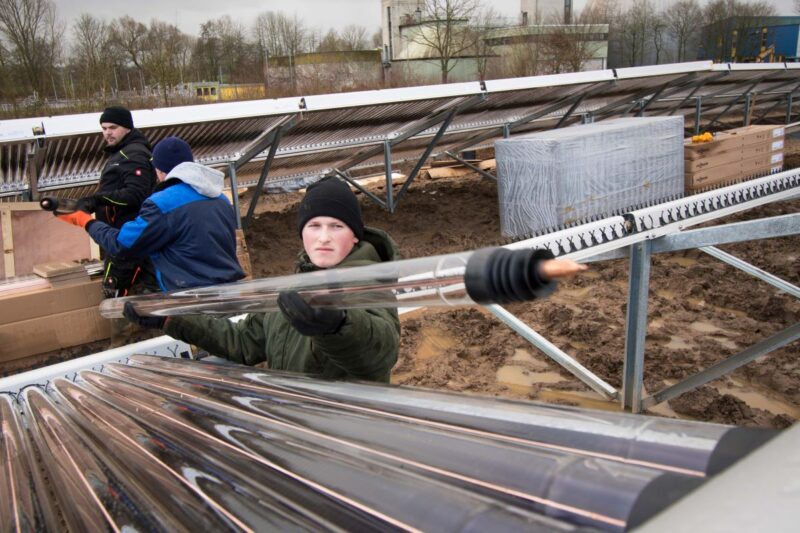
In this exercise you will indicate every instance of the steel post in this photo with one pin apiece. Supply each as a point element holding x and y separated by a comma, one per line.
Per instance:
<point>263,177</point>
<point>235,193</point>
<point>789,108</point>
<point>744,266</point>
<point>427,153</point>
<point>636,326</point>
<point>387,162</point>
<point>554,353</point>
<point>748,98</point>
<point>354,183</point>
<point>730,364</point>
<point>471,166</point>
<point>698,113</point>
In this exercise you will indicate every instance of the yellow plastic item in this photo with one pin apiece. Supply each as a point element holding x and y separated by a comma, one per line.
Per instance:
<point>702,138</point>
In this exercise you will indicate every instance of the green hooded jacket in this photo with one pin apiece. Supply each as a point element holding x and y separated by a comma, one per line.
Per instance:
<point>364,348</point>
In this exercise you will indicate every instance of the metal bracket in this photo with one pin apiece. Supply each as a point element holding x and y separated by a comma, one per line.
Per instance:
<point>272,138</point>
<point>471,166</point>
<point>713,372</point>
<point>554,353</point>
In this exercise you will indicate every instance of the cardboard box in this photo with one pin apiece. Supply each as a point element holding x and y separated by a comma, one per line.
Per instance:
<point>54,332</point>
<point>723,142</point>
<point>27,305</point>
<point>756,149</point>
<point>761,133</point>
<point>762,162</point>
<point>712,176</point>
<point>711,161</point>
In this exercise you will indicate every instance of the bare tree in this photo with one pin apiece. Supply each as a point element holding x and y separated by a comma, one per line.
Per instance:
<point>166,46</point>
<point>24,23</point>
<point>681,19</point>
<point>353,37</point>
<point>568,47</point>
<point>657,29</point>
<point>631,32</point>
<point>130,37</point>
<point>377,38</point>
<point>330,42</point>
<point>445,31</point>
<point>486,20</point>
<point>90,53</point>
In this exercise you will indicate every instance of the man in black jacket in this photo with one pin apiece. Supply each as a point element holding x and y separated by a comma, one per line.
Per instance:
<point>127,180</point>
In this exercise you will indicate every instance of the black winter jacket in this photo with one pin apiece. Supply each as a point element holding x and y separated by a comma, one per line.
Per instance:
<point>127,179</point>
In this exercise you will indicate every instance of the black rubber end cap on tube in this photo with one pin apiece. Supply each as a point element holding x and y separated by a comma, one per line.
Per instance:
<point>659,494</point>
<point>499,275</point>
<point>735,444</point>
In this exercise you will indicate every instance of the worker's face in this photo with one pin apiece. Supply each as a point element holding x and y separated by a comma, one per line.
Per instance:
<point>161,175</point>
<point>327,241</point>
<point>113,133</point>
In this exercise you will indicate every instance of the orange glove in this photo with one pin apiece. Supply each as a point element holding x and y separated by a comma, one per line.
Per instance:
<point>78,218</point>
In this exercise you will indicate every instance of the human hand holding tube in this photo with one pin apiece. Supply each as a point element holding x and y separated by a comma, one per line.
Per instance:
<point>560,268</point>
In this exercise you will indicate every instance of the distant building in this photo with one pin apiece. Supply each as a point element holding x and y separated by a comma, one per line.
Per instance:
<point>536,12</point>
<point>214,91</point>
<point>751,40</point>
<point>533,44</point>
<point>554,45</point>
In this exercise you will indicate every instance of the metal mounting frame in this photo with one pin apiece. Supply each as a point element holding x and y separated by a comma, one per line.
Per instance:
<point>702,239</point>
<point>639,248</point>
<point>442,116</point>
<point>272,139</point>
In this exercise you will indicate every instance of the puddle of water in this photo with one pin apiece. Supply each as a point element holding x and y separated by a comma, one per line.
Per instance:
<point>727,343</point>
<point>756,399</point>
<point>666,294</point>
<point>678,343</point>
<point>683,261</point>
<point>589,400</point>
<point>524,356</point>
<point>704,327</point>
<point>573,294</point>
<point>434,342</point>
<point>521,380</point>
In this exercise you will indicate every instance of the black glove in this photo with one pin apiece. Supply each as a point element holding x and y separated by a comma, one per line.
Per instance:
<point>88,204</point>
<point>308,320</point>
<point>147,322</point>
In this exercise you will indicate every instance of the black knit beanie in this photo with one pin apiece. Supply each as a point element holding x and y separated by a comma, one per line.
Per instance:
<point>117,115</point>
<point>331,197</point>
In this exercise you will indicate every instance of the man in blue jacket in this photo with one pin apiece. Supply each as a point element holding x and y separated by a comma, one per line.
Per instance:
<point>187,226</point>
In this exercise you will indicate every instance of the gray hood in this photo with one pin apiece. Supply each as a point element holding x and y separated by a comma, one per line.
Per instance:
<point>205,180</point>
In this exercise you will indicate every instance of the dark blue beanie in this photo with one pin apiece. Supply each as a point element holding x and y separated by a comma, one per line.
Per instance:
<point>171,152</point>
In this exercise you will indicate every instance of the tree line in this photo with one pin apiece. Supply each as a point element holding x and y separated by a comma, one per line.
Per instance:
<point>41,59</point>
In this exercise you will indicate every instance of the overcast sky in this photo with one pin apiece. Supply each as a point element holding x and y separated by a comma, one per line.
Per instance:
<point>189,14</point>
<point>323,14</point>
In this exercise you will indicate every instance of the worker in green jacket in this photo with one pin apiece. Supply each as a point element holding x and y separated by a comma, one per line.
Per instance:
<point>333,343</point>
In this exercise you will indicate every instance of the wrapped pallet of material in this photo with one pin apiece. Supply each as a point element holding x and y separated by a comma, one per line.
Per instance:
<point>552,179</point>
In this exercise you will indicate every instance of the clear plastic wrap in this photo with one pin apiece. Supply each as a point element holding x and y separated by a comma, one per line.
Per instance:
<point>555,178</point>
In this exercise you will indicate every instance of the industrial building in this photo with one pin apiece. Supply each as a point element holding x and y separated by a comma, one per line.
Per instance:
<point>751,40</point>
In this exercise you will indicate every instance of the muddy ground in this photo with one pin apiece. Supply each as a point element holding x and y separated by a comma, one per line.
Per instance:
<point>700,312</point>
